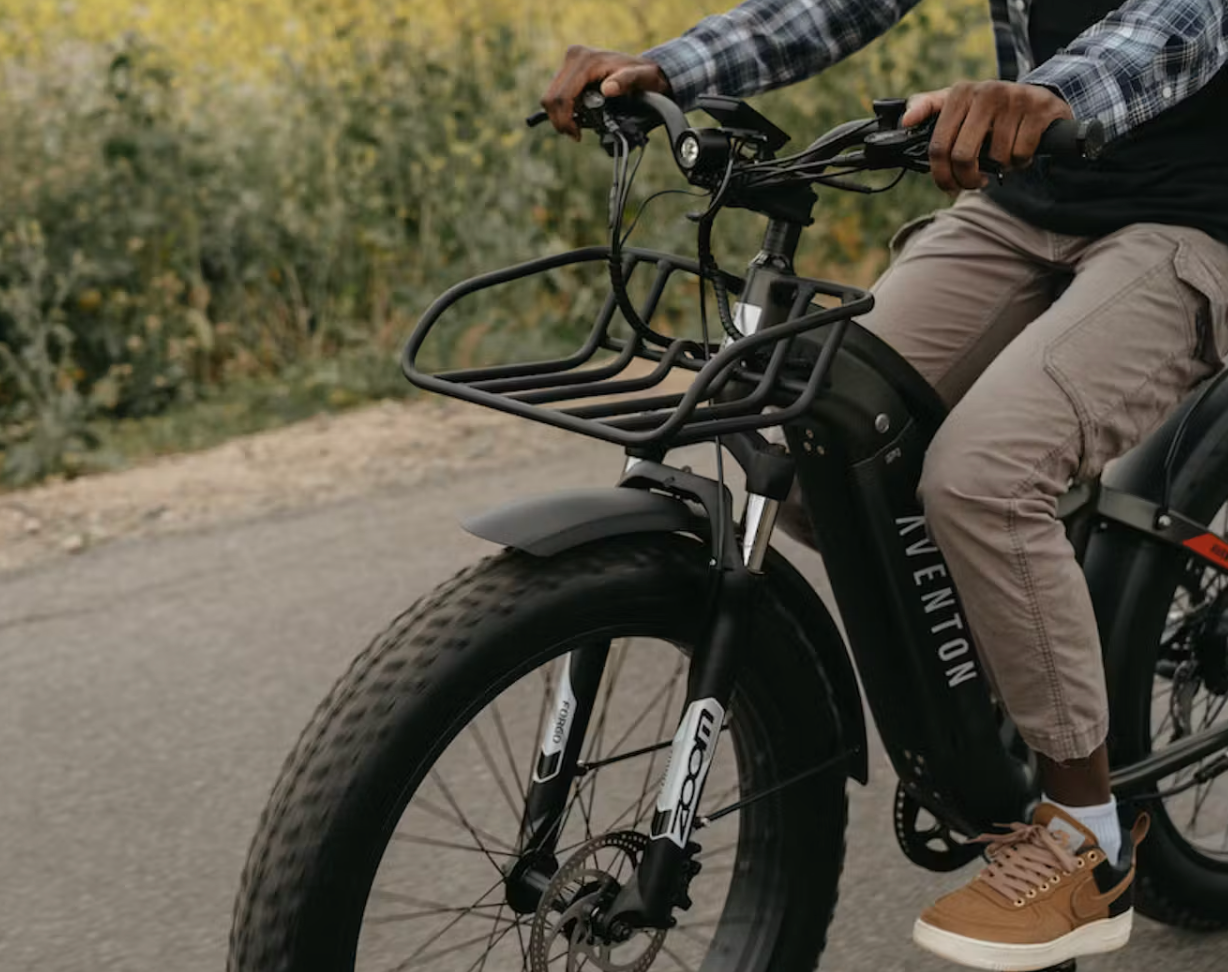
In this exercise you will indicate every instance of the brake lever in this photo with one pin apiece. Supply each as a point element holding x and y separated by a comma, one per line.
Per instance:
<point>591,112</point>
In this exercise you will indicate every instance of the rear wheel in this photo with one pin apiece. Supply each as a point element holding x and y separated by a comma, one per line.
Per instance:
<point>1168,680</point>
<point>389,837</point>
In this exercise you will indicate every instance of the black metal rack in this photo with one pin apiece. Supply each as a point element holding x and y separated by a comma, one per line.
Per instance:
<point>759,365</point>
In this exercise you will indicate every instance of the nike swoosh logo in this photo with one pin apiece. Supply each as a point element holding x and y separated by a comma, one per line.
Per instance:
<point>1087,904</point>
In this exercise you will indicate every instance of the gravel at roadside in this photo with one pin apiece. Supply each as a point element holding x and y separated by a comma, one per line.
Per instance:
<point>390,444</point>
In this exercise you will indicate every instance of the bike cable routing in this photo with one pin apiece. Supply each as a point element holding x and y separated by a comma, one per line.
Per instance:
<point>737,164</point>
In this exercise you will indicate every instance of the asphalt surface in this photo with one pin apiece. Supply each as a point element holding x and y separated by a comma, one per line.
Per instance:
<point>149,691</point>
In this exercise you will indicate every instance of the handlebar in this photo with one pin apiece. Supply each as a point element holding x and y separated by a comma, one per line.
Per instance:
<point>704,153</point>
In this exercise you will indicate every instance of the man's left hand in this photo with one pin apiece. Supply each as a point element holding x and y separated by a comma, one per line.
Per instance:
<point>968,113</point>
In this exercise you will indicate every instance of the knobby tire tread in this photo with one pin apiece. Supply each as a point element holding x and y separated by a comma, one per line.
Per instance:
<point>398,661</point>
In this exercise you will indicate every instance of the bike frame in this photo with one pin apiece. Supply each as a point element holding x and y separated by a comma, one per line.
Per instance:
<point>857,455</point>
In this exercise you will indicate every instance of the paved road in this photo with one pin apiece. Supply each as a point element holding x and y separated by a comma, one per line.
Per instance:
<point>149,691</point>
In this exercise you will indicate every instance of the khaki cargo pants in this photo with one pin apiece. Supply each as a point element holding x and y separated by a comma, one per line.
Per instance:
<point>1056,354</point>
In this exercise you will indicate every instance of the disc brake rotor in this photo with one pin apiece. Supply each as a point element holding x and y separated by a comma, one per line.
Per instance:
<point>569,902</point>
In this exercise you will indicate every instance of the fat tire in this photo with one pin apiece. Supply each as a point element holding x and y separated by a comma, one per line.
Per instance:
<point>344,786</point>
<point>1176,885</point>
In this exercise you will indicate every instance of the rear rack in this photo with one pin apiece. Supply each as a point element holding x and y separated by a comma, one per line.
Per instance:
<point>554,391</point>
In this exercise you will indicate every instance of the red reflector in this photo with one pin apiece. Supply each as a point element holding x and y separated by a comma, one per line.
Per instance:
<point>1211,547</point>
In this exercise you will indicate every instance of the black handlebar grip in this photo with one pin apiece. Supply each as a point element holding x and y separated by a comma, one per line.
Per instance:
<point>536,119</point>
<point>1071,140</point>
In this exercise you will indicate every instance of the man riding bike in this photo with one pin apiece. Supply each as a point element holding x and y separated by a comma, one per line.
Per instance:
<point>1062,315</point>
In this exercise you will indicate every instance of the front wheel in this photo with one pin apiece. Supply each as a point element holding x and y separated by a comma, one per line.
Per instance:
<point>391,834</point>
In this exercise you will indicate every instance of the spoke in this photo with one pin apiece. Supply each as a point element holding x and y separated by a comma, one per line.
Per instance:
<point>587,812</point>
<point>435,810</point>
<point>431,907</point>
<point>480,965</point>
<point>1212,716</point>
<point>507,748</point>
<point>434,842</point>
<point>408,962</point>
<point>652,704</point>
<point>1159,733</point>
<point>444,930</point>
<point>415,915</point>
<point>594,747</point>
<point>1200,797</point>
<point>615,671</point>
<point>674,955</point>
<point>447,794</point>
<point>629,754</point>
<point>524,949</point>
<point>410,899</point>
<point>431,957</point>
<point>590,780</point>
<point>517,812</point>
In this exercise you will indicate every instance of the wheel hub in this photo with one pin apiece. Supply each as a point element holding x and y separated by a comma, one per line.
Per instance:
<point>565,920</point>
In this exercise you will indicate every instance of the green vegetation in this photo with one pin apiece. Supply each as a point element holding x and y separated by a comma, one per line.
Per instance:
<point>180,262</point>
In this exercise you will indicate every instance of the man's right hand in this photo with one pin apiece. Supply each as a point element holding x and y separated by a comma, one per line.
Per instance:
<point>619,74</point>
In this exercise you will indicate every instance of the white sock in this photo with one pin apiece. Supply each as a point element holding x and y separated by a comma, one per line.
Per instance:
<point>1101,820</point>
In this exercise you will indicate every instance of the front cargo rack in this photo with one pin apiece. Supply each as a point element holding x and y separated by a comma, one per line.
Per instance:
<point>729,389</point>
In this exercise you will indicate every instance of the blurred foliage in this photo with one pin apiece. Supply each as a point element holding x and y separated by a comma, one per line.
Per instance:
<point>285,184</point>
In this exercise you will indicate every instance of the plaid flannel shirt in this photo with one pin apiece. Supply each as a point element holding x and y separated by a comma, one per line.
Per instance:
<point>1143,58</point>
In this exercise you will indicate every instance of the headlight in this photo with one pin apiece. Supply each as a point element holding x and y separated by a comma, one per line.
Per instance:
<point>688,151</point>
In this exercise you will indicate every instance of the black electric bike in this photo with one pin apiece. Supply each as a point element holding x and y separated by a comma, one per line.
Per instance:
<point>623,742</point>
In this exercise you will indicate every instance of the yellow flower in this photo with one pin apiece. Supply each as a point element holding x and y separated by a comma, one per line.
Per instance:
<point>89,300</point>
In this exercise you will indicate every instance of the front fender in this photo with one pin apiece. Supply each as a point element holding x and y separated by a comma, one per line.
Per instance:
<point>547,525</point>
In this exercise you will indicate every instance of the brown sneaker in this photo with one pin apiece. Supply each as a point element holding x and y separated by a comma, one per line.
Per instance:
<point>1047,896</point>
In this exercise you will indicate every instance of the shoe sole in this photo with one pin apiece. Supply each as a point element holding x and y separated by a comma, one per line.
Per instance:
<point>1094,938</point>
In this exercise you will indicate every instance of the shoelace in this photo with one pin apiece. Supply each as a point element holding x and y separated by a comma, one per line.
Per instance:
<point>1026,860</point>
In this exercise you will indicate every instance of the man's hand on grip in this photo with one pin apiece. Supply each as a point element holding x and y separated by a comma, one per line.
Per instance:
<point>1015,115</point>
<point>618,74</point>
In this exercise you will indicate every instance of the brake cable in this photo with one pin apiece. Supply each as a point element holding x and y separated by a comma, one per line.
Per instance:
<point>619,190</point>
<point>708,267</point>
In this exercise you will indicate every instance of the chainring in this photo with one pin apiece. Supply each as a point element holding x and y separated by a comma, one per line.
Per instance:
<point>918,843</point>
<point>579,888</point>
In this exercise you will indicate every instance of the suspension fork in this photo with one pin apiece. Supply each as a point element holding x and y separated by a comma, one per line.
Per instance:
<point>557,765</point>
<point>575,696</point>
<point>554,772</point>
<point>659,882</point>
